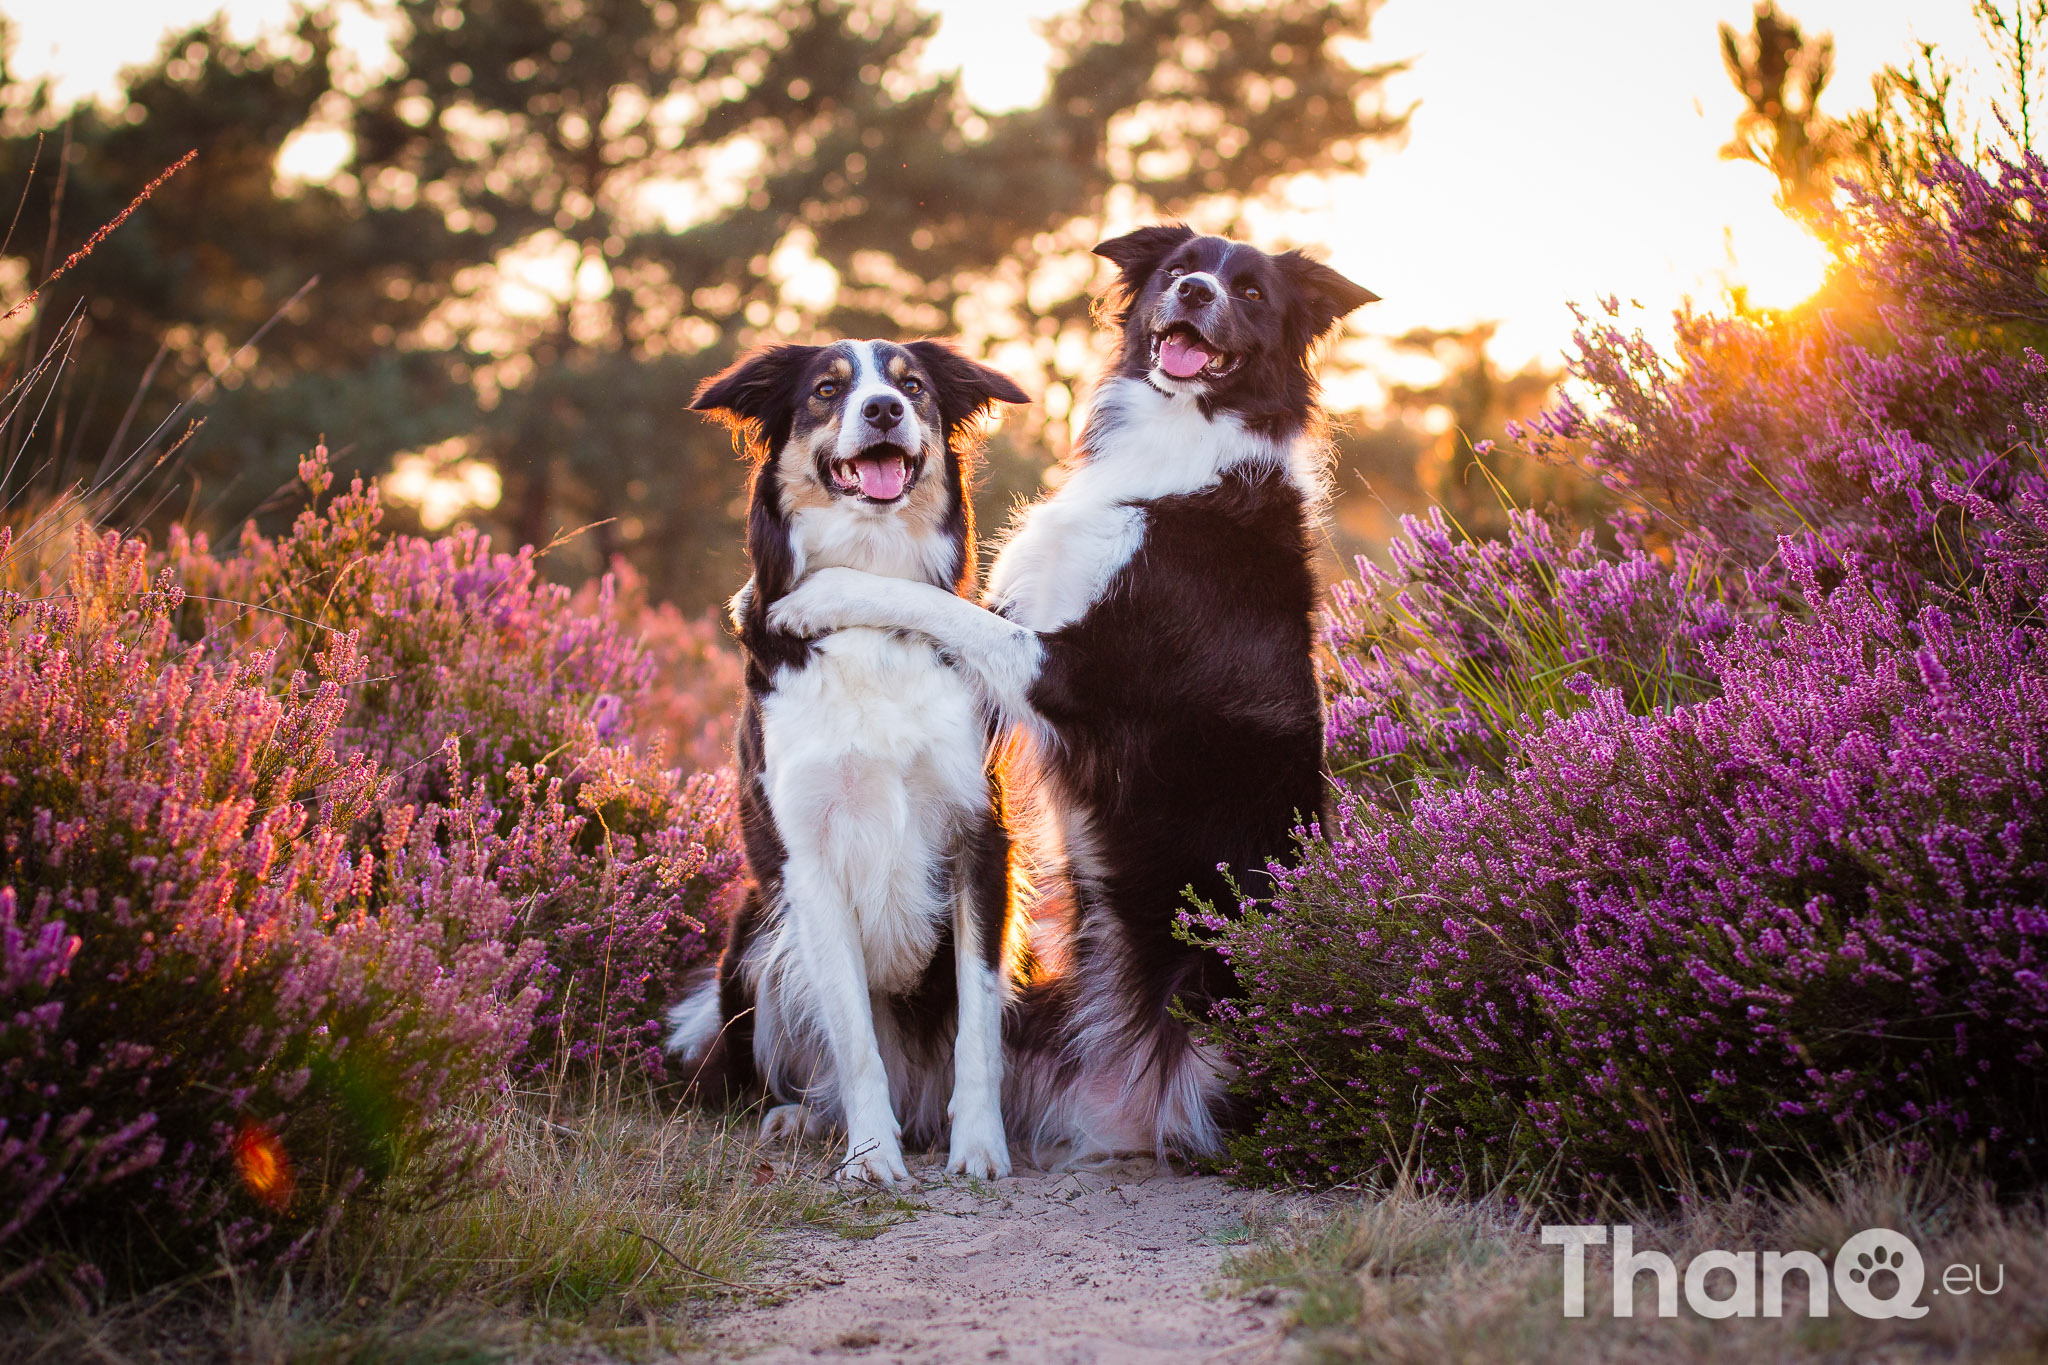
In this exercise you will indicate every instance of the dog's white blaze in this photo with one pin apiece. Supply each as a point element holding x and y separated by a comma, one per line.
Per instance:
<point>1199,382</point>
<point>870,381</point>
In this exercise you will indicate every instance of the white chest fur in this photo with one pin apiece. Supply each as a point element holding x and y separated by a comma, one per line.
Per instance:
<point>1063,554</point>
<point>1140,444</point>
<point>873,758</point>
<point>871,540</point>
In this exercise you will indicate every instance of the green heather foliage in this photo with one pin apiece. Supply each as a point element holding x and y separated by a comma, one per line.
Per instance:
<point>304,850</point>
<point>1719,851</point>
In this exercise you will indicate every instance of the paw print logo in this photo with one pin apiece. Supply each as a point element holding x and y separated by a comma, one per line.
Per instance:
<point>1884,1258</point>
<point>1880,1259</point>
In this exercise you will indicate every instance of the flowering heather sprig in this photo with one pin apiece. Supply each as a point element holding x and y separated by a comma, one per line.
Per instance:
<point>692,694</point>
<point>1434,663</point>
<point>531,717</point>
<point>1969,252</point>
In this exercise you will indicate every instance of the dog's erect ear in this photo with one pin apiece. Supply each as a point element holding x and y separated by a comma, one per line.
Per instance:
<point>1138,254</point>
<point>964,389</point>
<point>756,396</point>
<point>1321,293</point>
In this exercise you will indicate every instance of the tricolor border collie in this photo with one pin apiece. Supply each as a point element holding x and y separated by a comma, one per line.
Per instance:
<point>1149,623</point>
<point>864,978</point>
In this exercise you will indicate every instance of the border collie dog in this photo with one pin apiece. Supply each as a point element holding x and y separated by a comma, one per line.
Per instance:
<point>875,950</point>
<point>1149,624</point>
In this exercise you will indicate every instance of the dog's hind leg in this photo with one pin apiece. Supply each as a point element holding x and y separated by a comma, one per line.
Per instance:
<point>979,1146</point>
<point>793,1121</point>
<point>828,948</point>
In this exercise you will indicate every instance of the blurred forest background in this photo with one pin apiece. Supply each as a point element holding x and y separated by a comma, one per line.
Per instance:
<point>491,275</point>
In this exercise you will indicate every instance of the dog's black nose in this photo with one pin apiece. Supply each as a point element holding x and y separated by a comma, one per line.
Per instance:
<point>1195,293</point>
<point>882,412</point>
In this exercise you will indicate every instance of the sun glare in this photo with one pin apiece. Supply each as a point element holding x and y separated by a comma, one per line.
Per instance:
<point>263,1164</point>
<point>444,482</point>
<point>314,155</point>
<point>1775,263</point>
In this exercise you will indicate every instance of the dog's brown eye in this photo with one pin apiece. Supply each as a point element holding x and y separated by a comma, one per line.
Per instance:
<point>826,389</point>
<point>1174,272</point>
<point>912,386</point>
<point>1251,291</point>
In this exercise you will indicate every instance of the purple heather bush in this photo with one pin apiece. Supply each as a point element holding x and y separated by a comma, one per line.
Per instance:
<point>1432,663</point>
<point>194,949</point>
<point>488,687</point>
<point>1715,847</point>
<point>306,852</point>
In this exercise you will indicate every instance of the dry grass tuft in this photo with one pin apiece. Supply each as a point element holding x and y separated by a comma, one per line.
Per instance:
<point>1402,1275</point>
<point>611,1221</point>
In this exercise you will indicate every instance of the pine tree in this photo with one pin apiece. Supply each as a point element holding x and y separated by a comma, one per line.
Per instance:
<point>682,179</point>
<point>1781,73</point>
<point>799,134</point>
<point>171,298</point>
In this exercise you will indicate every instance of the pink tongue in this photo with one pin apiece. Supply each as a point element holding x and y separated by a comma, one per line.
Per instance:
<point>1180,357</point>
<point>882,478</point>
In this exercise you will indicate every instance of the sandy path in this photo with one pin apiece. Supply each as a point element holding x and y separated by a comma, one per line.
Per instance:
<point>1117,1265</point>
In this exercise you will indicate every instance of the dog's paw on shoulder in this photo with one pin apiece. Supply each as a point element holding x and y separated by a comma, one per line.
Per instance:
<point>815,606</point>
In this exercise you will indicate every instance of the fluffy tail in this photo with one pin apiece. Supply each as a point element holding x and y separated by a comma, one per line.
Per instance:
<point>1076,1090</point>
<point>713,1043</point>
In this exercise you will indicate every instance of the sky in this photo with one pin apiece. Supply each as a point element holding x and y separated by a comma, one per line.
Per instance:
<point>1560,151</point>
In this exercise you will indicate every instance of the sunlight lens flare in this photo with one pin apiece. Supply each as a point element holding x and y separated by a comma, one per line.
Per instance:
<point>315,155</point>
<point>1776,264</point>
<point>265,1168</point>
<point>443,482</point>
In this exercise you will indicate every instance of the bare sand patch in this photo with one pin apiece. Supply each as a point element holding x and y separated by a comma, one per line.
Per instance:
<point>1112,1265</point>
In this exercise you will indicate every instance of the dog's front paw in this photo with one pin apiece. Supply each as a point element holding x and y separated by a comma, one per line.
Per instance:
<point>817,606</point>
<point>979,1148</point>
<point>876,1159</point>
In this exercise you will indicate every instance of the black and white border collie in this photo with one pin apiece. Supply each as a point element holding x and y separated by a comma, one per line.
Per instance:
<point>1149,624</point>
<point>874,953</point>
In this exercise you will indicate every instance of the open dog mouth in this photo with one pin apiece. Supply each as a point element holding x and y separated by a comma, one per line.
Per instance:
<point>1185,353</point>
<point>881,473</point>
